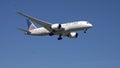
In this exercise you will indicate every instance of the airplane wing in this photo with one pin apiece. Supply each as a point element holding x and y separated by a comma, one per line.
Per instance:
<point>42,23</point>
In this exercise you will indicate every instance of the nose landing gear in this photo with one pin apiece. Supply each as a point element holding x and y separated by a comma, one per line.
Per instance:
<point>85,30</point>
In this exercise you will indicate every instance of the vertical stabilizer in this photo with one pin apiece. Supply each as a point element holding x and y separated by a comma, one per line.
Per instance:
<point>31,26</point>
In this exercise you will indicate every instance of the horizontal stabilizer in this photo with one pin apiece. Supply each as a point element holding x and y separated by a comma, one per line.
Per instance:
<point>23,30</point>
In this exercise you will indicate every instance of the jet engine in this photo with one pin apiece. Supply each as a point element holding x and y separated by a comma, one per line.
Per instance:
<point>56,26</point>
<point>73,35</point>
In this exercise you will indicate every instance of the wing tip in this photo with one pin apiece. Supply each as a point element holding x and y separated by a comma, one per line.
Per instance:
<point>19,13</point>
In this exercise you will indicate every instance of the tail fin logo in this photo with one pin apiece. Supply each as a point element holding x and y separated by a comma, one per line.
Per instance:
<point>31,26</point>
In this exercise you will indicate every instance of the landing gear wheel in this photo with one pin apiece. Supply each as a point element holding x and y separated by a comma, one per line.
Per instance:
<point>59,38</point>
<point>51,34</point>
<point>85,30</point>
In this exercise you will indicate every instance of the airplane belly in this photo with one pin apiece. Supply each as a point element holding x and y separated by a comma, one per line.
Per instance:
<point>40,32</point>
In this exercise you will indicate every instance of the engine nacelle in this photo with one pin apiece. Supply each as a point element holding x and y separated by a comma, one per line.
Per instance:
<point>73,35</point>
<point>56,26</point>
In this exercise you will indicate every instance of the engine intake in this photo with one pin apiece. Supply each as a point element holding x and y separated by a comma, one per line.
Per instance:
<point>73,35</point>
<point>56,26</point>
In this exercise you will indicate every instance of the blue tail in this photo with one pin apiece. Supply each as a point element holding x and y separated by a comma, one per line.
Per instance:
<point>31,26</point>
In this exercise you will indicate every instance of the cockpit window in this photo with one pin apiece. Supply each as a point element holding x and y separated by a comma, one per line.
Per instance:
<point>87,22</point>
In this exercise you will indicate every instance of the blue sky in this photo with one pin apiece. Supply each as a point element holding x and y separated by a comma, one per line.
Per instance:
<point>99,48</point>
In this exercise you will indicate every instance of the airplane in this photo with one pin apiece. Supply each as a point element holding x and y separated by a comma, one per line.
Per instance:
<point>48,29</point>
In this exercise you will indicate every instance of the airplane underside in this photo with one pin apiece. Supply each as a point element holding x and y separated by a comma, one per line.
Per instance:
<point>59,34</point>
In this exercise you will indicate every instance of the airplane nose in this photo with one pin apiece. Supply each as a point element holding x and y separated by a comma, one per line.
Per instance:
<point>90,25</point>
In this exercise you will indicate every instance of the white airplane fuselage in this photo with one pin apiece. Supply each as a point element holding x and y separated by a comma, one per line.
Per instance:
<point>67,27</point>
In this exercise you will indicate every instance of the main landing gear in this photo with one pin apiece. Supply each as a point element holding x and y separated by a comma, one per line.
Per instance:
<point>51,34</point>
<point>59,38</point>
